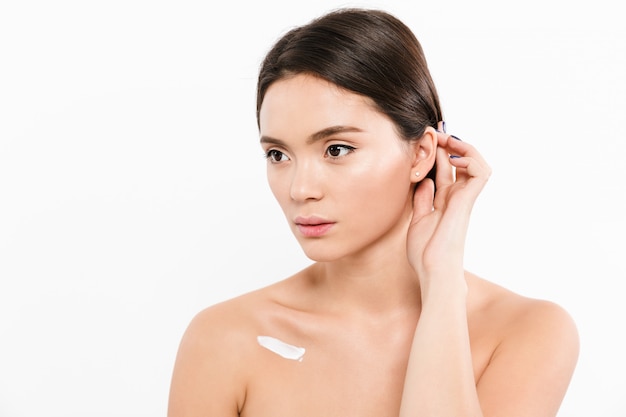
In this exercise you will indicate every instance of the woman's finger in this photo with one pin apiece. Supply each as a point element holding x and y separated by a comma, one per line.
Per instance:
<point>457,147</point>
<point>423,199</point>
<point>471,168</point>
<point>445,172</point>
<point>464,157</point>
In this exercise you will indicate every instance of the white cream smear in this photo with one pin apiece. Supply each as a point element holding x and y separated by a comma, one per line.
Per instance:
<point>281,348</point>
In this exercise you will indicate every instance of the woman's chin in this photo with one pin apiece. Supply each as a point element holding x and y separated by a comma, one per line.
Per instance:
<point>321,253</point>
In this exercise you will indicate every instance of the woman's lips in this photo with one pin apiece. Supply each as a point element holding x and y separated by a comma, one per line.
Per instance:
<point>313,226</point>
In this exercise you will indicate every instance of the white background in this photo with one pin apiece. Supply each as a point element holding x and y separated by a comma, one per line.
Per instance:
<point>133,193</point>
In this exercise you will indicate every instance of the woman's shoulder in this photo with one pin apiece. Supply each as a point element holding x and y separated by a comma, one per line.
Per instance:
<point>515,311</point>
<point>523,333</point>
<point>237,315</point>
<point>217,354</point>
<point>232,322</point>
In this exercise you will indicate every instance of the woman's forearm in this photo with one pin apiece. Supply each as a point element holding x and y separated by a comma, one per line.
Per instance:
<point>440,378</point>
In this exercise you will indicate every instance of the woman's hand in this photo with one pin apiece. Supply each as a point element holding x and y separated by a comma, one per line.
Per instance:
<point>436,236</point>
<point>440,377</point>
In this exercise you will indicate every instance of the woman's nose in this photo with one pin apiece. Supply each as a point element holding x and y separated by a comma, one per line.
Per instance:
<point>306,183</point>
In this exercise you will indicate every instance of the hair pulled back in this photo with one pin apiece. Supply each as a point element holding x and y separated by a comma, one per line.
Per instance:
<point>368,52</point>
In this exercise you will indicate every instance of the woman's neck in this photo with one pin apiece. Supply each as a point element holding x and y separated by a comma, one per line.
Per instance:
<point>375,281</point>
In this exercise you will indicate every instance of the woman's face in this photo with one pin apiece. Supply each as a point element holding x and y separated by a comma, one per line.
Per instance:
<point>337,167</point>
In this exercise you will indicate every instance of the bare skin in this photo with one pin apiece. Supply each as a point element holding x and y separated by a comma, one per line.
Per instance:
<point>391,323</point>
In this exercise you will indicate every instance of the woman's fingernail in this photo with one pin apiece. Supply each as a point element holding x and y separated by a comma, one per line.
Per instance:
<point>443,126</point>
<point>455,137</point>
<point>454,156</point>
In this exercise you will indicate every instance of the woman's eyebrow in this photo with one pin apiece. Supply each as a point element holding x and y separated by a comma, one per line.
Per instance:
<point>271,140</point>
<point>322,134</point>
<point>329,131</point>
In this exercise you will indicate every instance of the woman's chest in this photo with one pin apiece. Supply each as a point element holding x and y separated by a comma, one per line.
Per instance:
<point>328,382</point>
<point>329,370</point>
<point>346,370</point>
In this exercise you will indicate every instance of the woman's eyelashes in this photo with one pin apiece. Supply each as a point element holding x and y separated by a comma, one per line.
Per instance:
<point>337,151</point>
<point>333,152</point>
<point>275,156</point>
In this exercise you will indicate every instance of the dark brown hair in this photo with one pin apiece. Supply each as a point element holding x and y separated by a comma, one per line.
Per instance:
<point>368,52</point>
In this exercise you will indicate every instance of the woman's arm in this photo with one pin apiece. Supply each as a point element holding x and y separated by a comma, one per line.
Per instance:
<point>440,377</point>
<point>531,368</point>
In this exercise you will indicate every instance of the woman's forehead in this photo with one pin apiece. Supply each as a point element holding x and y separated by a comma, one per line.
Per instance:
<point>313,102</point>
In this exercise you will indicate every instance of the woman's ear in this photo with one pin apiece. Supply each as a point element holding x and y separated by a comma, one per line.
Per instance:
<point>424,152</point>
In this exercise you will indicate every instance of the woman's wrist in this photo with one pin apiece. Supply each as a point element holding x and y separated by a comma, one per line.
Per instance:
<point>443,286</point>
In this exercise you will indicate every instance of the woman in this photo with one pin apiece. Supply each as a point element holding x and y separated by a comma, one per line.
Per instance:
<point>386,321</point>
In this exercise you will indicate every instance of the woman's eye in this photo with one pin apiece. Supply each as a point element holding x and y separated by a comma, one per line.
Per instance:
<point>276,156</point>
<point>337,151</point>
